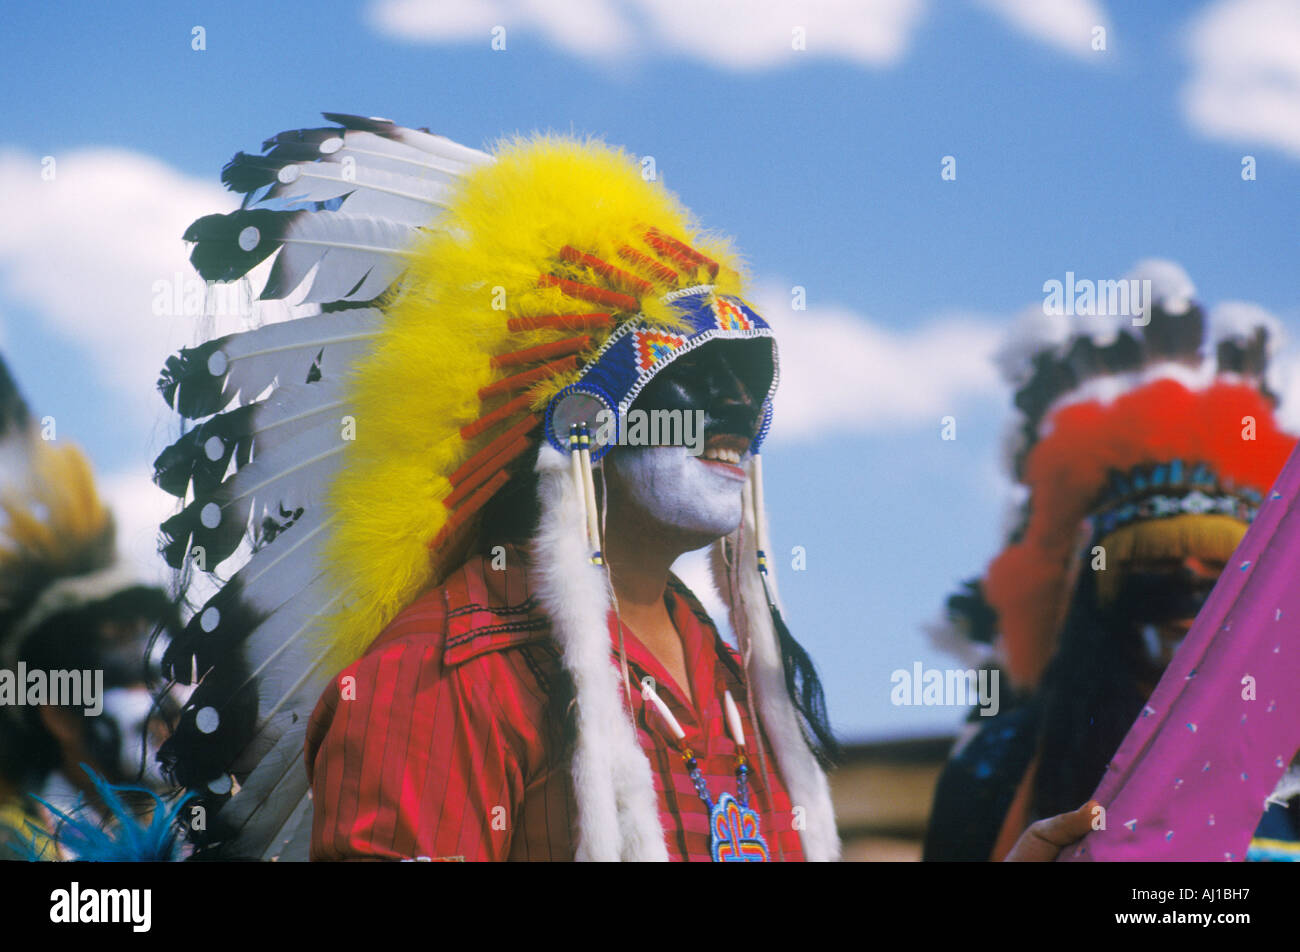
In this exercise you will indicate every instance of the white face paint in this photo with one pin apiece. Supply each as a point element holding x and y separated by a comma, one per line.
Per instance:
<point>129,709</point>
<point>1159,645</point>
<point>678,491</point>
<point>1152,646</point>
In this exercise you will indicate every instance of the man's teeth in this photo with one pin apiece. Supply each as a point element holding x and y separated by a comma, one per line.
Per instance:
<point>725,456</point>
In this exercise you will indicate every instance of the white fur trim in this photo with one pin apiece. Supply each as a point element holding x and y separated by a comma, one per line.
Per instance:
<point>1108,388</point>
<point>618,811</point>
<point>770,703</point>
<point>1288,787</point>
<point>67,594</point>
<point>1170,283</point>
<point>1034,333</point>
<point>1238,320</point>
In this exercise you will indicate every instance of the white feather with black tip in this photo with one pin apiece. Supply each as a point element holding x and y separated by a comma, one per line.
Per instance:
<point>280,480</point>
<point>376,193</point>
<point>1241,320</point>
<point>291,412</point>
<point>350,149</point>
<point>271,801</point>
<point>279,675</point>
<point>421,139</point>
<point>203,380</point>
<point>292,843</point>
<point>272,412</point>
<point>356,257</point>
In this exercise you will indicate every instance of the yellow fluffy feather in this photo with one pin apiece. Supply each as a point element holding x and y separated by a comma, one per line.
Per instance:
<point>1213,537</point>
<point>418,388</point>
<point>55,527</point>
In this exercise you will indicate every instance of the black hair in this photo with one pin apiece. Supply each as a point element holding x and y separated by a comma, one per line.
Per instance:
<point>78,639</point>
<point>805,690</point>
<point>1090,695</point>
<point>511,517</point>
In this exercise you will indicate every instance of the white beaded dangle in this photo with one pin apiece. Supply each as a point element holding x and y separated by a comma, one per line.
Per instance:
<point>585,483</point>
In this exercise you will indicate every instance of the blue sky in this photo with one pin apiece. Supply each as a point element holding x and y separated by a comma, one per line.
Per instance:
<point>823,163</point>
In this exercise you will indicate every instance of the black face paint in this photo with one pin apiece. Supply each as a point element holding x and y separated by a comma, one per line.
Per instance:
<point>104,744</point>
<point>1157,598</point>
<point>726,379</point>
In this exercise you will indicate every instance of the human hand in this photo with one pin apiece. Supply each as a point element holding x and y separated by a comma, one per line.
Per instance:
<point>1044,840</point>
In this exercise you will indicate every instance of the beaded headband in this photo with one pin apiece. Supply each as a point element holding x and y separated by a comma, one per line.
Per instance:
<point>635,354</point>
<point>1163,490</point>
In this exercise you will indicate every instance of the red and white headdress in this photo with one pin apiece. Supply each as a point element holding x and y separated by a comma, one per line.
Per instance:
<point>1151,435</point>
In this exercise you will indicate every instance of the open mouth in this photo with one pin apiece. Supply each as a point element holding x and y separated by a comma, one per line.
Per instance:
<point>724,452</point>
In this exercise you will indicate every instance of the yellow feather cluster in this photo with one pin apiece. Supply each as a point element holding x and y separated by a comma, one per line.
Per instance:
<point>477,269</point>
<point>1212,537</point>
<point>57,526</point>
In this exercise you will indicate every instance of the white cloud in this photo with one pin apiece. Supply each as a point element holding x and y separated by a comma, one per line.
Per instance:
<point>1065,24</point>
<point>84,250</point>
<point>841,373</point>
<point>139,507</point>
<point>734,34</point>
<point>1245,81</point>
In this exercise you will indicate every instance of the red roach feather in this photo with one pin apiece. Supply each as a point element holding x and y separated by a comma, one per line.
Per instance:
<point>1069,467</point>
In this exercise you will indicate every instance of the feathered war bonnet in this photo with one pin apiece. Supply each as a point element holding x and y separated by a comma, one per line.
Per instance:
<point>57,546</point>
<point>1152,438</point>
<point>473,312</point>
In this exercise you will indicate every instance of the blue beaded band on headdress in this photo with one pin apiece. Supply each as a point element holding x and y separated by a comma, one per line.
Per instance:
<point>1164,490</point>
<point>634,354</point>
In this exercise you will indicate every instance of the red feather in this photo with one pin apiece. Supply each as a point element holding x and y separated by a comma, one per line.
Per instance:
<point>1068,469</point>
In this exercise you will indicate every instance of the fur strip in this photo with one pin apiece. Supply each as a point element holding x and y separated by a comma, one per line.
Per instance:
<point>1288,787</point>
<point>1239,321</point>
<point>68,594</point>
<point>618,812</point>
<point>752,622</point>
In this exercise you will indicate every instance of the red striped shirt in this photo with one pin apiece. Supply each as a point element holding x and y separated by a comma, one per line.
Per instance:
<point>449,741</point>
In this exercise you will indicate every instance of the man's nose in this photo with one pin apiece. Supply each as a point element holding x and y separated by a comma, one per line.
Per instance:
<point>729,389</point>
<point>731,404</point>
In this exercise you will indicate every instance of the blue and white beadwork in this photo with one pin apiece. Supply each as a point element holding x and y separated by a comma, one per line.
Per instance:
<point>634,354</point>
<point>734,835</point>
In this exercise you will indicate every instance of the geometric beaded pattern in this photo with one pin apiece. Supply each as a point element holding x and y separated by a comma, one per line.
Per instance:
<point>650,347</point>
<point>1163,490</point>
<point>633,354</point>
<point>730,316</point>
<point>735,836</point>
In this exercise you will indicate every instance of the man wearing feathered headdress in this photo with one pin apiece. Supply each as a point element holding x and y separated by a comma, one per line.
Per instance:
<point>518,387</point>
<point>75,623</point>
<point>1145,448</point>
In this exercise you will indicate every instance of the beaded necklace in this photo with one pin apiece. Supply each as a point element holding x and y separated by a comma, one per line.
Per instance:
<point>734,835</point>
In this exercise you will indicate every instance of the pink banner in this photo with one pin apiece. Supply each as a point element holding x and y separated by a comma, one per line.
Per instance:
<point>1190,779</point>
